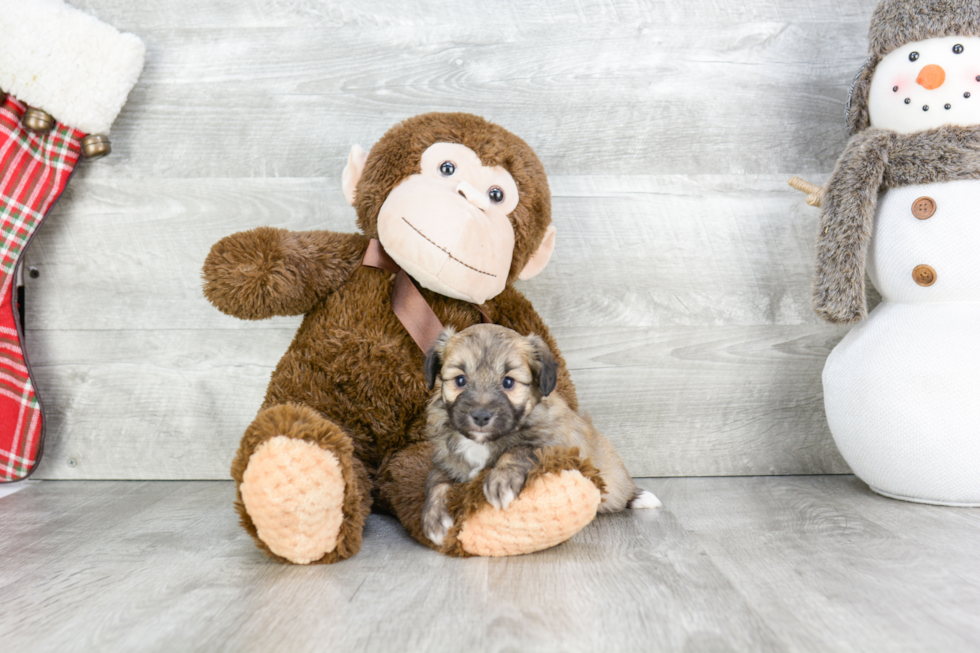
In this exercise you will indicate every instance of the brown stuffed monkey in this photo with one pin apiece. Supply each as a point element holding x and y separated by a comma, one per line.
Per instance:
<point>462,207</point>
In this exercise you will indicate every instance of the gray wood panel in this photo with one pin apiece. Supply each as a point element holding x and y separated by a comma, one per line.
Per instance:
<point>680,287</point>
<point>265,88</point>
<point>632,251</point>
<point>729,564</point>
<point>173,404</point>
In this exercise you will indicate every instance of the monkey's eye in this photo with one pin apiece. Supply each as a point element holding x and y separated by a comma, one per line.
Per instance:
<point>508,383</point>
<point>447,168</point>
<point>957,49</point>
<point>460,381</point>
<point>913,56</point>
<point>496,195</point>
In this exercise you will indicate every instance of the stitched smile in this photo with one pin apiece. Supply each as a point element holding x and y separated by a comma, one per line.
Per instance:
<point>447,251</point>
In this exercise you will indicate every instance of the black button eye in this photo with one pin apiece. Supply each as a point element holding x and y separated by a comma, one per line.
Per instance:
<point>447,168</point>
<point>508,383</point>
<point>496,195</point>
<point>957,49</point>
<point>913,56</point>
<point>460,381</point>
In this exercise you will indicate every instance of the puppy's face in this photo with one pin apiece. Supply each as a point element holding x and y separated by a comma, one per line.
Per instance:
<point>491,377</point>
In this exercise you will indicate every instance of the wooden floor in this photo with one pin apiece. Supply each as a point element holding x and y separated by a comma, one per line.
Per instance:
<point>810,563</point>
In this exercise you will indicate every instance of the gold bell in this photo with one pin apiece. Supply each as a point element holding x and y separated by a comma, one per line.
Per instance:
<point>38,121</point>
<point>95,146</point>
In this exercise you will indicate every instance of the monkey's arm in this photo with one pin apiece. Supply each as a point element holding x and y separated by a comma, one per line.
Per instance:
<point>256,274</point>
<point>514,311</point>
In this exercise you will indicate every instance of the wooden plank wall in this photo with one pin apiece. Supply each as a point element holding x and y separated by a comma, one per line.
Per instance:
<point>680,288</point>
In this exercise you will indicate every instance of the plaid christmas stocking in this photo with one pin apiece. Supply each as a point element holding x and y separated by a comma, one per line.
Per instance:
<point>64,76</point>
<point>34,169</point>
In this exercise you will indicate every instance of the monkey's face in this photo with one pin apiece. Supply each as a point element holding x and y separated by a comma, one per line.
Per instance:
<point>448,225</point>
<point>491,378</point>
<point>461,204</point>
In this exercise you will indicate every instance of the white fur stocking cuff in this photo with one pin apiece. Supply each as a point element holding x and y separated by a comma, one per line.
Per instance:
<point>66,62</point>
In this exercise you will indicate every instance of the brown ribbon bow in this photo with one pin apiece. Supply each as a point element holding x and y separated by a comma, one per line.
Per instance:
<point>407,302</point>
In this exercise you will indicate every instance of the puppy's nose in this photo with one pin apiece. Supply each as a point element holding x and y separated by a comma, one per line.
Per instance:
<point>931,77</point>
<point>481,416</point>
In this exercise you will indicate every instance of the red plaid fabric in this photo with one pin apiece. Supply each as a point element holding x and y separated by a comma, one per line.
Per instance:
<point>34,169</point>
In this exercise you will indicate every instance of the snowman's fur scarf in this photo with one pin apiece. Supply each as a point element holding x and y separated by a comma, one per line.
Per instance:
<point>897,22</point>
<point>875,160</point>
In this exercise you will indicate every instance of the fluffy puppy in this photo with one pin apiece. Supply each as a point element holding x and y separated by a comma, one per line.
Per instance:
<point>493,407</point>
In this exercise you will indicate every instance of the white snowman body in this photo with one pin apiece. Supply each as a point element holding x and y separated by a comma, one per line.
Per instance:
<point>902,389</point>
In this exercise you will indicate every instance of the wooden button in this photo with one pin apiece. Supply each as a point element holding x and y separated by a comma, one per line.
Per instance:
<point>924,275</point>
<point>924,208</point>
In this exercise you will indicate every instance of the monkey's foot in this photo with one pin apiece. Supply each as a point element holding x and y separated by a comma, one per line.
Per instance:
<point>560,498</point>
<point>293,491</point>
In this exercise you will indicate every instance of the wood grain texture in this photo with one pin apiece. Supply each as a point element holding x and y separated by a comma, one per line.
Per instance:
<point>173,404</point>
<point>729,564</point>
<point>831,566</point>
<point>163,566</point>
<point>680,287</point>
<point>632,251</point>
<point>264,89</point>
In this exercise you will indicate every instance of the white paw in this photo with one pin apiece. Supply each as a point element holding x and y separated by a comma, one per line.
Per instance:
<point>502,486</point>
<point>504,499</point>
<point>436,527</point>
<point>437,535</point>
<point>645,499</point>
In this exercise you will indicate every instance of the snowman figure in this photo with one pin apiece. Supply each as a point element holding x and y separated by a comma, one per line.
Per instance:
<point>902,389</point>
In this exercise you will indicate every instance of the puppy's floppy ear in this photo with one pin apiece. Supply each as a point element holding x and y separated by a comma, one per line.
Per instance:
<point>544,366</point>
<point>433,360</point>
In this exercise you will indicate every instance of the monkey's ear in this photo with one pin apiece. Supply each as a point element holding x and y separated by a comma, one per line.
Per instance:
<point>433,360</point>
<point>352,172</point>
<point>545,367</point>
<point>540,257</point>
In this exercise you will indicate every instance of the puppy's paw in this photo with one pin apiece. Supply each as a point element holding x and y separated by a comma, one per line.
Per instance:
<point>502,486</point>
<point>436,522</point>
<point>644,499</point>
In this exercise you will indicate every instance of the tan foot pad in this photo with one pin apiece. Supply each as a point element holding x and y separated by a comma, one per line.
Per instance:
<point>294,492</point>
<point>549,511</point>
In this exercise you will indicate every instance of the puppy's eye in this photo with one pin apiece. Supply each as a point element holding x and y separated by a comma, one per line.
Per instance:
<point>496,194</point>
<point>460,381</point>
<point>447,168</point>
<point>508,383</point>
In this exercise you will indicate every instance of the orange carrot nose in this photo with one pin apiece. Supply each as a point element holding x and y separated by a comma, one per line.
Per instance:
<point>931,76</point>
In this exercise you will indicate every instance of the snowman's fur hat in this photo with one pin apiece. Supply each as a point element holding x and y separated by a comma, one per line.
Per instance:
<point>897,22</point>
